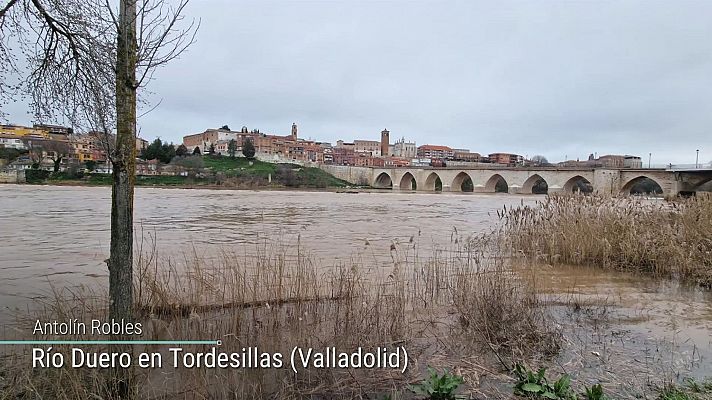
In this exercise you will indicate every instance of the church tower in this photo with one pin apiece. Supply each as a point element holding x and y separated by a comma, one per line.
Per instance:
<point>385,143</point>
<point>294,131</point>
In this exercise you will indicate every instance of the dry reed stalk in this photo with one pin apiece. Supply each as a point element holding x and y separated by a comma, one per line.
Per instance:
<point>280,297</point>
<point>662,238</point>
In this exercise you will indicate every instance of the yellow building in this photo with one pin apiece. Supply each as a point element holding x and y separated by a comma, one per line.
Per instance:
<point>24,132</point>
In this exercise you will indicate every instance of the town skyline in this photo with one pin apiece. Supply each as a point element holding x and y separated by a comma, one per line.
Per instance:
<point>555,79</point>
<point>398,151</point>
<point>698,155</point>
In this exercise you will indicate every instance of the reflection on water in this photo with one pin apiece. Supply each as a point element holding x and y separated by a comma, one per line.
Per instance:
<point>644,327</point>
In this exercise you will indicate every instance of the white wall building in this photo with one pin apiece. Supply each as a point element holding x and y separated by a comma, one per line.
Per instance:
<point>11,142</point>
<point>405,149</point>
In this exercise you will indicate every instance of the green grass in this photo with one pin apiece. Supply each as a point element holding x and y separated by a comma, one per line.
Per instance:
<point>106,180</point>
<point>314,177</point>
<point>690,390</point>
<point>226,164</point>
<point>161,180</point>
<point>289,175</point>
<point>303,176</point>
<point>99,179</point>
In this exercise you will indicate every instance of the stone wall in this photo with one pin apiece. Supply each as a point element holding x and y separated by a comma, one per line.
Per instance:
<point>355,175</point>
<point>12,176</point>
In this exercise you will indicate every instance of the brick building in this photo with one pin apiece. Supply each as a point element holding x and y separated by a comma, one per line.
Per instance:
<point>505,159</point>
<point>434,151</point>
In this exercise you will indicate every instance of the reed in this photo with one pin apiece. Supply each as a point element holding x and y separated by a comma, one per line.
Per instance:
<point>668,239</point>
<point>277,296</point>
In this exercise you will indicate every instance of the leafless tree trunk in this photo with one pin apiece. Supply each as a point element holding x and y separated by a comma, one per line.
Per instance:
<point>75,50</point>
<point>122,192</point>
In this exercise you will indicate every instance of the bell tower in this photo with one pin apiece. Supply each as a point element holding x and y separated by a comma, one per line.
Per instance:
<point>294,131</point>
<point>385,143</point>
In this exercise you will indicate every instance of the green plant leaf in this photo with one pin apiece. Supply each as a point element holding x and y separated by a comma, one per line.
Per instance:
<point>562,384</point>
<point>531,387</point>
<point>541,373</point>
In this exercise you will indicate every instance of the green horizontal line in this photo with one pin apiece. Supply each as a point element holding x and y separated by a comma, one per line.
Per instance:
<point>107,342</point>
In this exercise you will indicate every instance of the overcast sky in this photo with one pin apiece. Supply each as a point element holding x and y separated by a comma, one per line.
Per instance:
<point>530,77</point>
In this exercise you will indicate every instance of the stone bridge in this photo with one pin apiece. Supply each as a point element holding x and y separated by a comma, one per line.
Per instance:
<point>525,180</point>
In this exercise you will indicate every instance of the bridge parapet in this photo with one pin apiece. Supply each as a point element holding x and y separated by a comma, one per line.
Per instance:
<point>608,181</point>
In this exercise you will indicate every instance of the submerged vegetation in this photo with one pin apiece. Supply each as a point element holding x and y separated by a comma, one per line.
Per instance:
<point>470,321</point>
<point>669,239</point>
<point>276,296</point>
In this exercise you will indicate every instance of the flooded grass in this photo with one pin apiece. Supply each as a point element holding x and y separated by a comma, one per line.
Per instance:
<point>469,308</point>
<point>280,298</point>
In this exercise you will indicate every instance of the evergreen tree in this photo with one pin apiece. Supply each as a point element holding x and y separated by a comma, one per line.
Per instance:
<point>182,151</point>
<point>196,151</point>
<point>163,152</point>
<point>248,149</point>
<point>232,148</point>
<point>168,151</point>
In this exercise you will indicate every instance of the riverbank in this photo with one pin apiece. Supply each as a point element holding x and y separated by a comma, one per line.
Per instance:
<point>349,272</point>
<point>205,172</point>
<point>148,183</point>
<point>474,321</point>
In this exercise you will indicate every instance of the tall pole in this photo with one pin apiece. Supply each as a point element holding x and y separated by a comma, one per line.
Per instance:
<point>697,158</point>
<point>650,156</point>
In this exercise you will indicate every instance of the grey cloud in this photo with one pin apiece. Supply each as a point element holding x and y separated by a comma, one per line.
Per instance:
<point>552,78</point>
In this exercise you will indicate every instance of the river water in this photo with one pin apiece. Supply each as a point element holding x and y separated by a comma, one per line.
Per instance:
<point>59,236</point>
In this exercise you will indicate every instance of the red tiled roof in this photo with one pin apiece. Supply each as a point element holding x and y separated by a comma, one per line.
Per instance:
<point>434,147</point>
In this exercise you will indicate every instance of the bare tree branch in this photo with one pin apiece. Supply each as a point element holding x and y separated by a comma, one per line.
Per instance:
<point>4,10</point>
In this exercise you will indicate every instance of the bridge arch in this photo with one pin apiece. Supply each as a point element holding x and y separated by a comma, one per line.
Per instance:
<point>535,184</point>
<point>407,182</point>
<point>496,183</point>
<point>383,181</point>
<point>433,183</point>
<point>578,184</point>
<point>699,185</point>
<point>641,185</point>
<point>462,183</point>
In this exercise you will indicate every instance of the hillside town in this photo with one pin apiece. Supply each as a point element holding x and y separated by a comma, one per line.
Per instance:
<point>374,153</point>
<point>56,148</point>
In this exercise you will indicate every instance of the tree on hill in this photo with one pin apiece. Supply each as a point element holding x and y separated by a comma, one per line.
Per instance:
<point>224,128</point>
<point>182,151</point>
<point>196,151</point>
<point>211,149</point>
<point>539,160</point>
<point>55,150</point>
<point>163,152</point>
<point>152,151</point>
<point>168,152</point>
<point>10,154</point>
<point>232,148</point>
<point>248,149</point>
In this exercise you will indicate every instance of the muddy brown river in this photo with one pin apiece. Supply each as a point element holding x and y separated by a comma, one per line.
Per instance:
<point>59,236</point>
